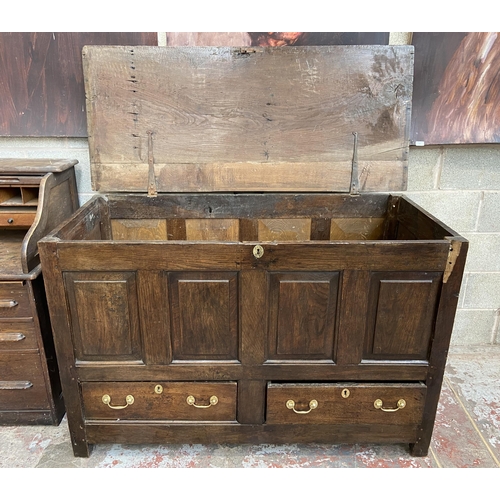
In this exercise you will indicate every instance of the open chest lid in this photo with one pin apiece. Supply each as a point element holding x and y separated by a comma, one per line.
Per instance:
<point>304,119</point>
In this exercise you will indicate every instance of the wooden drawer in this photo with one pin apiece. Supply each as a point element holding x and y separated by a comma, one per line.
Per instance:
<point>17,219</point>
<point>22,384</point>
<point>198,401</point>
<point>16,335</point>
<point>14,300</point>
<point>345,403</point>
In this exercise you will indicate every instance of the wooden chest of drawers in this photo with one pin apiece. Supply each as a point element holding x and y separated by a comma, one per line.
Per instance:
<point>35,196</point>
<point>241,300</point>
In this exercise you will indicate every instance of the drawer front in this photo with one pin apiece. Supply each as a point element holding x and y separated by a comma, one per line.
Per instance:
<point>17,219</point>
<point>22,384</point>
<point>401,404</point>
<point>193,401</point>
<point>17,335</point>
<point>14,300</point>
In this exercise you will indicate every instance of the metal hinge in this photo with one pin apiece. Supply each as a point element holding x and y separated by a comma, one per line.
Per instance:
<point>453,254</point>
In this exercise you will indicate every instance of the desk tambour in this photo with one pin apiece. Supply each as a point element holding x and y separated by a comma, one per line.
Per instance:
<point>35,196</point>
<point>239,279</point>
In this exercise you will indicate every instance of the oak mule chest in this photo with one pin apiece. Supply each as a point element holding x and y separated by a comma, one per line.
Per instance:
<point>244,275</point>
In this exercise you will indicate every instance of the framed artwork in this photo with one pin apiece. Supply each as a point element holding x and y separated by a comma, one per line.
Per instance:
<point>41,81</point>
<point>456,94</point>
<point>275,38</point>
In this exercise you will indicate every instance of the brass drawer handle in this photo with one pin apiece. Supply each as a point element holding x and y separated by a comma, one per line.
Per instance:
<point>313,404</point>
<point>22,384</point>
<point>106,399</point>
<point>8,303</point>
<point>379,405</point>
<point>12,337</point>
<point>191,401</point>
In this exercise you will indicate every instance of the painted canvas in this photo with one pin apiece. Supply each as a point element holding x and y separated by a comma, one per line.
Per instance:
<point>41,80</point>
<point>456,95</point>
<point>275,38</point>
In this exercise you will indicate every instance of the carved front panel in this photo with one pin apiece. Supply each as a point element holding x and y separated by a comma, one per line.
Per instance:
<point>204,312</point>
<point>104,316</point>
<point>302,311</point>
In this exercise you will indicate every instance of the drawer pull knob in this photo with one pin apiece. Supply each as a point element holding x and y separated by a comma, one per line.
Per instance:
<point>10,221</point>
<point>8,303</point>
<point>12,385</point>
<point>12,337</point>
<point>106,399</point>
<point>258,251</point>
<point>313,404</point>
<point>191,401</point>
<point>379,405</point>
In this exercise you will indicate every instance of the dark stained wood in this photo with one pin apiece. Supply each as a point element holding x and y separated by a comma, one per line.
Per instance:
<point>204,312</point>
<point>101,306</point>
<point>420,223</point>
<point>253,206</point>
<point>439,350</point>
<point>42,80</point>
<point>61,324</point>
<point>273,100</point>
<point>408,370</point>
<point>170,404</point>
<point>154,433</point>
<point>353,316</point>
<point>302,310</point>
<point>154,316</point>
<point>176,229</point>
<point>251,401</point>
<point>333,408</point>
<point>207,256</point>
<point>401,315</point>
<point>320,229</point>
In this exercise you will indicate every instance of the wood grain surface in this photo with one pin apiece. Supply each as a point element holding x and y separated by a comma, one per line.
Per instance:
<point>254,119</point>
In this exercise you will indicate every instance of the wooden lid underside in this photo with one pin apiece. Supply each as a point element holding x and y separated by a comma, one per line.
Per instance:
<point>191,119</point>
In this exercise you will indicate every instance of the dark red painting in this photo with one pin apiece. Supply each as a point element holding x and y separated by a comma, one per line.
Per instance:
<point>456,96</point>
<point>275,38</point>
<point>41,81</point>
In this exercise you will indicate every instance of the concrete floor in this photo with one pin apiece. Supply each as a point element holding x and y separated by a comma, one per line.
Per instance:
<point>466,434</point>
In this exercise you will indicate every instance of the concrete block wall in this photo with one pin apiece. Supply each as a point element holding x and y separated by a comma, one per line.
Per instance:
<point>460,185</point>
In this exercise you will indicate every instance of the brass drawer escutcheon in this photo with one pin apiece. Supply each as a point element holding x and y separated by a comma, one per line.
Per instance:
<point>158,389</point>
<point>191,400</point>
<point>379,405</point>
<point>345,393</point>
<point>313,404</point>
<point>106,399</point>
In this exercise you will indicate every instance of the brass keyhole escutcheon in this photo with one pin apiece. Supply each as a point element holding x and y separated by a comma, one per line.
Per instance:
<point>345,393</point>
<point>158,389</point>
<point>258,251</point>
